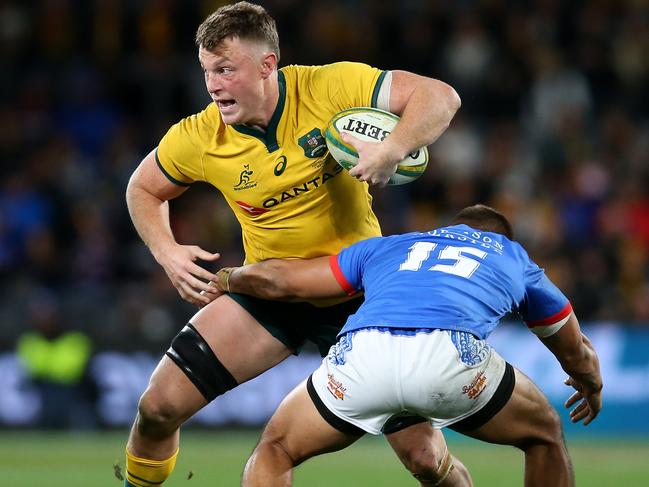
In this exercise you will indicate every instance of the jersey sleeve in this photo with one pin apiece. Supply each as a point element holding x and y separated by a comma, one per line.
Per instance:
<point>349,264</point>
<point>179,155</point>
<point>347,85</point>
<point>544,308</point>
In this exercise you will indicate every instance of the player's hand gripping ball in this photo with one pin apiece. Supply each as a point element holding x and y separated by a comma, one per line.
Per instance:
<point>372,125</point>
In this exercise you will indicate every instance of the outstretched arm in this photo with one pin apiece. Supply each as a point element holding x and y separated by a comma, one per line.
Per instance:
<point>282,279</point>
<point>577,357</point>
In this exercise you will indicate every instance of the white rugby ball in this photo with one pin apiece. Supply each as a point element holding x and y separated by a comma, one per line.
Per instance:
<point>372,125</point>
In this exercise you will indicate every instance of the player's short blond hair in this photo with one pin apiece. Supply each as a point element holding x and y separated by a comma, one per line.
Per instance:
<point>244,20</point>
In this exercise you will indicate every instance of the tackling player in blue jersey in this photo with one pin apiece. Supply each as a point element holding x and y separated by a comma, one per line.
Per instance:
<point>416,346</point>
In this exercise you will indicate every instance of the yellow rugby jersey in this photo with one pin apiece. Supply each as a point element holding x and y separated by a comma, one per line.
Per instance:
<point>290,196</point>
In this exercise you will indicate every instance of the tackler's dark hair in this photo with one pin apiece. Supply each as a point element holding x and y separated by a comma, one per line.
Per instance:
<point>485,218</point>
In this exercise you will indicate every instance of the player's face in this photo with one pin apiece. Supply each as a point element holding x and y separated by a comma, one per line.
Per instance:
<point>235,76</point>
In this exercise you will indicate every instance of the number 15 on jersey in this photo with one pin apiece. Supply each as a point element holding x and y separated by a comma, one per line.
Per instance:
<point>464,266</point>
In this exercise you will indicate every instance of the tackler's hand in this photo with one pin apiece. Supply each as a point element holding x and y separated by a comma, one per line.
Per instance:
<point>588,400</point>
<point>219,286</point>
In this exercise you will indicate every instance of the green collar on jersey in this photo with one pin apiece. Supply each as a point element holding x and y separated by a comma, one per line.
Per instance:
<point>269,137</point>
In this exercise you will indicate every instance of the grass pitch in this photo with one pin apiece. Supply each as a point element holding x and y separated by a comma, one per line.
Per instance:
<point>216,458</point>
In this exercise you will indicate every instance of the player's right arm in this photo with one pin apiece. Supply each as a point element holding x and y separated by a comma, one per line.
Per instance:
<point>284,279</point>
<point>578,359</point>
<point>321,277</point>
<point>147,196</point>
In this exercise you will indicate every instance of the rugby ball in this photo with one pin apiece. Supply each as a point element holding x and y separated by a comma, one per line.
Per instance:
<point>372,125</point>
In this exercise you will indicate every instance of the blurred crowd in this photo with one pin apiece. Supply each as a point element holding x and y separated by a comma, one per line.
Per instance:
<point>553,131</point>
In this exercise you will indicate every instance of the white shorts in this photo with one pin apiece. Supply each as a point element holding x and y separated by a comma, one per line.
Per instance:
<point>375,374</point>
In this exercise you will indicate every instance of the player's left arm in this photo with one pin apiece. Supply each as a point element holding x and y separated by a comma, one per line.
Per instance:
<point>282,279</point>
<point>550,316</point>
<point>578,358</point>
<point>426,107</point>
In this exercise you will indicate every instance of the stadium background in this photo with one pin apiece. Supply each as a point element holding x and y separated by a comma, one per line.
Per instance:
<point>553,130</point>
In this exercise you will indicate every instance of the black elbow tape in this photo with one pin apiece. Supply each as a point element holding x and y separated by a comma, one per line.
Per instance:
<point>193,355</point>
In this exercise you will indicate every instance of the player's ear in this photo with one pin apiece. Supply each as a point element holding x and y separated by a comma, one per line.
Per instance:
<point>268,64</point>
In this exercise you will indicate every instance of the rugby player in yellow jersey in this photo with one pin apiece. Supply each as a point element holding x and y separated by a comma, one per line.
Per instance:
<point>260,143</point>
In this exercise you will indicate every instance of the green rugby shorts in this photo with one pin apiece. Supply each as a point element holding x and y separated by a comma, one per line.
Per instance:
<point>294,323</point>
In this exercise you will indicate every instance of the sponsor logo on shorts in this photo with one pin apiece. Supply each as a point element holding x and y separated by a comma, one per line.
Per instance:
<point>476,387</point>
<point>335,387</point>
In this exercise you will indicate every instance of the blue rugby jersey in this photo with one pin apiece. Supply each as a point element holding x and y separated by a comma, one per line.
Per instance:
<point>454,278</point>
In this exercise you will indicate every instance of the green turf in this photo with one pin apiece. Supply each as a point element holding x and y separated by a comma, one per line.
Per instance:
<point>215,458</point>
